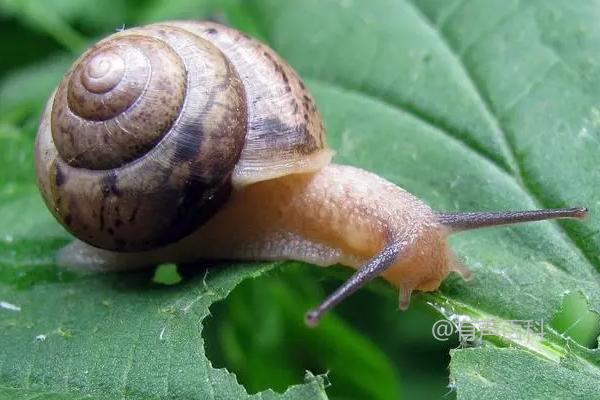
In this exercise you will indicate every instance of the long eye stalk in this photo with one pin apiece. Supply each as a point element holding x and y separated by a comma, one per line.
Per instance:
<point>392,253</point>
<point>473,220</point>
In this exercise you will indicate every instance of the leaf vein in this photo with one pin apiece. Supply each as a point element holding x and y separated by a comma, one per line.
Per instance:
<point>518,174</point>
<point>130,356</point>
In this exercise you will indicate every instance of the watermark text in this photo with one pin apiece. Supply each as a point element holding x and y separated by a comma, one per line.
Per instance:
<point>476,330</point>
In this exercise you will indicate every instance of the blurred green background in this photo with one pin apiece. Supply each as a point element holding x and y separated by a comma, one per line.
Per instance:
<point>368,349</point>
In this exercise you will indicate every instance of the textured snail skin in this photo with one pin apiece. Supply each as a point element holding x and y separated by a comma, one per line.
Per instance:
<point>152,127</point>
<point>339,214</point>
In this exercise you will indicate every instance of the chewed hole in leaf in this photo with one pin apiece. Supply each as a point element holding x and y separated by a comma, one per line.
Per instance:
<point>577,321</point>
<point>258,333</point>
<point>166,274</point>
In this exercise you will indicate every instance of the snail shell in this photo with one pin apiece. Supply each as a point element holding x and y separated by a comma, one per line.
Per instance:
<point>151,129</point>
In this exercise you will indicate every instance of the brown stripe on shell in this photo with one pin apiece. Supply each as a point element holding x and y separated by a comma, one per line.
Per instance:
<point>283,139</point>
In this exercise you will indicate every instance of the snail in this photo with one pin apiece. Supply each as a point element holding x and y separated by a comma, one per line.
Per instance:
<point>181,141</point>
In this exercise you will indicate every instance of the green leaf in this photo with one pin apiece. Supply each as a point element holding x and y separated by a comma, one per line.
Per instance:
<point>487,373</point>
<point>152,346</point>
<point>469,105</point>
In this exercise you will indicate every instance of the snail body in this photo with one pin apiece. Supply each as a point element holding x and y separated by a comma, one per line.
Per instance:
<point>189,140</point>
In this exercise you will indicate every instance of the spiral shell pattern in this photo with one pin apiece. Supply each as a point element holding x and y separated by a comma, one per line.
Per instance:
<point>140,139</point>
<point>119,101</point>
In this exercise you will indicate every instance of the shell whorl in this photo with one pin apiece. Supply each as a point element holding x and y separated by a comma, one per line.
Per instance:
<point>120,99</point>
<point>151,129</point>
<point>138,145</point>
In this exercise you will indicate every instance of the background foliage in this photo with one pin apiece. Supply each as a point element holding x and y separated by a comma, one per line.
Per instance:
<point>489,104</point>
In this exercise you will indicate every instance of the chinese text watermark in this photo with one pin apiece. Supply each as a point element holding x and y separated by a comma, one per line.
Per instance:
<point>476,330</point>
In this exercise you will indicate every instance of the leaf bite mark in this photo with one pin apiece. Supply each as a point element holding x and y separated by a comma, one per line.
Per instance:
<point>166,274</point>
<point>232,334</point>
<point>577,321</point>
<point>259,335</point>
